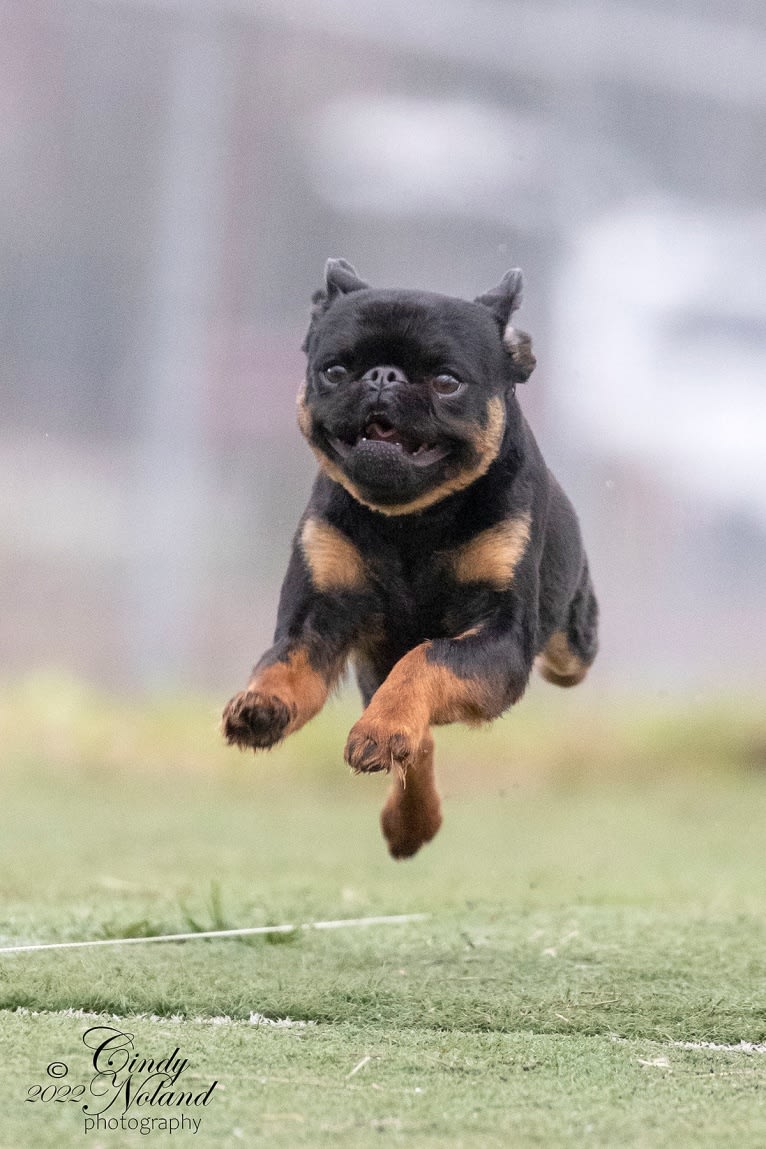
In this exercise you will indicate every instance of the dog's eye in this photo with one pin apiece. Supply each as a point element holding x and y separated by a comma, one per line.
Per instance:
<point>335,373</point>
<point>446,386</point>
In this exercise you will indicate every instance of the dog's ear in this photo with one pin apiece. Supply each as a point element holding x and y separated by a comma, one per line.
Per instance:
<point>506,298</point>
<point>340,278</point>
<point>502,301</point>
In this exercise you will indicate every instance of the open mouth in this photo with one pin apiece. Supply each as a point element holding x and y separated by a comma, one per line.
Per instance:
<point>382,437</point>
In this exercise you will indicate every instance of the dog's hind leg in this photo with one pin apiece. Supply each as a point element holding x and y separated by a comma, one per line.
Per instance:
<point>472,678</point>
<point>412,813</point>
<point>568,653</point>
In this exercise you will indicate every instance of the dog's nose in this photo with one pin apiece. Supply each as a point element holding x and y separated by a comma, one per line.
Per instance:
<point>382,377</point>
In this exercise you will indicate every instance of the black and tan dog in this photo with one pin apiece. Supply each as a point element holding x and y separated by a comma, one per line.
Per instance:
<point>437,551</point>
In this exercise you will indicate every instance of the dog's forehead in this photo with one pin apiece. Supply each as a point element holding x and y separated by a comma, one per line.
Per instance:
<point>426,319</point>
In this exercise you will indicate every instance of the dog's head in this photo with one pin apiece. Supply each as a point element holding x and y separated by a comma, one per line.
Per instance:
<point>406,392</point>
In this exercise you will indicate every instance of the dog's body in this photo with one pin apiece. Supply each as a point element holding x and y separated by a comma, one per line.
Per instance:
<point>437,551</point>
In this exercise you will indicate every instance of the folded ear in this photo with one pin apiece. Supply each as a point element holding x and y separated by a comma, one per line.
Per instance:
<point>340,278</point>
<point>502,301</point>
<point>506,298</point>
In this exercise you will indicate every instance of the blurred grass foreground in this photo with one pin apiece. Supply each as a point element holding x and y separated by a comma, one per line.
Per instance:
<point>550,738</point>
<point>117,805</point>
<point>595,902</point>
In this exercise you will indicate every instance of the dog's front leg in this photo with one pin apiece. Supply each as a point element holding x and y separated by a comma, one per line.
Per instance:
<point>286,689</point>
<point>472,678</point>
<point>316,628</point>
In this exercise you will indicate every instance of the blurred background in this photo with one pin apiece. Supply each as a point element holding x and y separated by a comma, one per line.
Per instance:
<point>173,175</point>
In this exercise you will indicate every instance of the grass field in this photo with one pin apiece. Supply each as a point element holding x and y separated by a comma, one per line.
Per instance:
<point>597,923</point>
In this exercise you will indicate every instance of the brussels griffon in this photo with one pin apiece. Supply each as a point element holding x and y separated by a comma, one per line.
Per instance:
<point>437,552</point>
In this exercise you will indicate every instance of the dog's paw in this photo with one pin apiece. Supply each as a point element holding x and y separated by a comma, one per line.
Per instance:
<point>256,720</point>
<point>374,746</point>
<point>406,828</point>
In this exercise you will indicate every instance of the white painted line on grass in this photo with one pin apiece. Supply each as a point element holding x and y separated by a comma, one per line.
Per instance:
<point>740,1047</point>
<point>359,1065</point>
<point>713,1046</point>
<point>249,931</point>
<point>256,1019</point>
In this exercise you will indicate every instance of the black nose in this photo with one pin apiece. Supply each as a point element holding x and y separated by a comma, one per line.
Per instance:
<point>381,377</point>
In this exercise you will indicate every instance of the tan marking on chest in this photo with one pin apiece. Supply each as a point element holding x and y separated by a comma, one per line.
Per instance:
<point>333,560</point>
<point>470,633</point>
<point>494,554</point>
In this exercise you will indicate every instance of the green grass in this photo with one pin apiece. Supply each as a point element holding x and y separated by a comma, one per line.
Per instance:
<point>596,895</point>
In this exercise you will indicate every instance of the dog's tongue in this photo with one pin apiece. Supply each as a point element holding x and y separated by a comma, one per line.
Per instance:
<point>385,434</point>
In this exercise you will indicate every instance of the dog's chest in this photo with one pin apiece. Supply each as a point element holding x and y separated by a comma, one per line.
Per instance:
<point>415,595</point>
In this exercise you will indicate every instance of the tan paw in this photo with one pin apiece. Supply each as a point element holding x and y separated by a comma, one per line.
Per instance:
<point>374,746</point>
<point>255,720</point>
<point>407,826</point>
